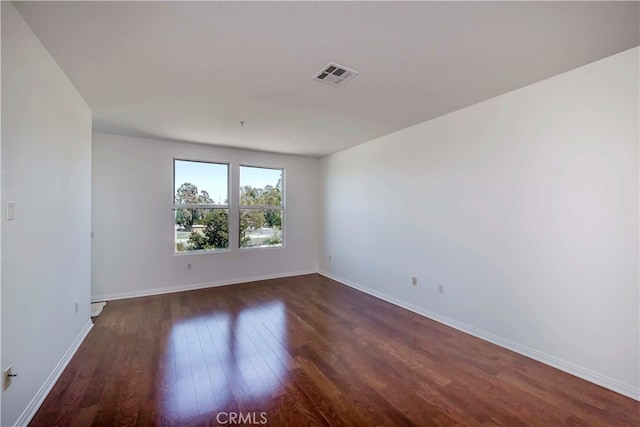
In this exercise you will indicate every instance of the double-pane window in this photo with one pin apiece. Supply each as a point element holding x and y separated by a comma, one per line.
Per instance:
<point>261,207</point>
<point>201,205</point>
<point>202,208</point>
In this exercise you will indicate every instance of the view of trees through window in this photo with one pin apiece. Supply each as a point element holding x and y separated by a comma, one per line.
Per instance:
<point>260,207</point>
<point>201,206</point>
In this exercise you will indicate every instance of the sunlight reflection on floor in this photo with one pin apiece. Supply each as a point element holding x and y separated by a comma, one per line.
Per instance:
<point>214,360</point>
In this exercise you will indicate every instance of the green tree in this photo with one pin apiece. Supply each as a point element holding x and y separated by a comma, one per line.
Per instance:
<point>249,196</point>
<point>272,196</point>
<point>244,225</point>
<point>273,240</point>
<point>254,219</point>
<point>215,234</point>
<point>273,219</point>
<point>267,196</point>
<point>187,194</point>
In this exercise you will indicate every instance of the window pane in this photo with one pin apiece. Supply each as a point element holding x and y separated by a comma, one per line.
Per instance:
<point>201,229</point>
<point>260,186</point>
<point>260,228</point>
<point>200,183</point>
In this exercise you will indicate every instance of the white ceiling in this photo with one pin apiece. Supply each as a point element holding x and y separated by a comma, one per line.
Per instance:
<point>192,71</point>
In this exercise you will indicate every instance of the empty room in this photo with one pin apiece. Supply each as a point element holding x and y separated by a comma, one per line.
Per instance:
<point>320,213</point>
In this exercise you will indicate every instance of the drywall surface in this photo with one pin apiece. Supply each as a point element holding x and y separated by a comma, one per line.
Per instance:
<point>46,172</point>
<point>524,207</point>
<point>133,220</point>
<point>0,229</point>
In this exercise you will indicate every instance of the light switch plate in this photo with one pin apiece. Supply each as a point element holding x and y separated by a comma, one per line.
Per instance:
<point>11,210</point>
<point>6,378</point>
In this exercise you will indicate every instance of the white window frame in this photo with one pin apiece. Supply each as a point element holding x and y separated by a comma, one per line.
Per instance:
<point>176,206</point>
<point>280,208</point>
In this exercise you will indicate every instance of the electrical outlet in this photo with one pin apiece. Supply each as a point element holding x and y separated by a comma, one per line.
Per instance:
<point>441,289</point>
<point>414,281</point>
<point>189,266</point>
<point>7,375</point>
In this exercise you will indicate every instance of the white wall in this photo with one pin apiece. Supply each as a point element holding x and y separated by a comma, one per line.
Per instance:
<point>0,222</point>
<point>46,171</point>
<point>133,220</point>
<point>525,207</point>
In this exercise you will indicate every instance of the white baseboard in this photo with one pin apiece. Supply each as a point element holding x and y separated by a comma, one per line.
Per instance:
<point>181,288</point>
<point>563,365</point>
<point>34,405</point>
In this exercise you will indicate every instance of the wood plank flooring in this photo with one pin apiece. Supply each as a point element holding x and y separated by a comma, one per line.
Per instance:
<point>307,351</point>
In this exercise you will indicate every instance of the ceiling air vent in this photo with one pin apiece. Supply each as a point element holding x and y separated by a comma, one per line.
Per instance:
<point>335,74</point>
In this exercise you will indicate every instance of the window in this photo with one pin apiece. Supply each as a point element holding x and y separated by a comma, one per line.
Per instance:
<point>261,207</point>
<point>202,209</point>
<point>201,206</point>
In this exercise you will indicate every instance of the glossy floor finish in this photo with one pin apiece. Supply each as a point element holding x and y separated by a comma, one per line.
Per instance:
<point>306,351</point>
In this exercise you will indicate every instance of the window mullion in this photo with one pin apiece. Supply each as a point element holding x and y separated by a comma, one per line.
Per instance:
<point>234,207</point>
<point>261,207</point>
<point>200,206</point>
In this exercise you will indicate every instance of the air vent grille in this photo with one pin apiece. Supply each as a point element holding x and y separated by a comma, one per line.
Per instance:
<point>335,74</point>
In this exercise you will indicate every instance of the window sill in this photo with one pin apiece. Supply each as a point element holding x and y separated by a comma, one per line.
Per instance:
<point>217,251</point>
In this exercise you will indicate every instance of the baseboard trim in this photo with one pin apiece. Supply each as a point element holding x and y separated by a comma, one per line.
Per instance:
<point>34,405</point>
<point>563,365</point>
<point>182,288</point>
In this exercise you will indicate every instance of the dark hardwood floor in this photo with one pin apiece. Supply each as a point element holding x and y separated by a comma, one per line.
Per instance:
<point>307,351</point>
